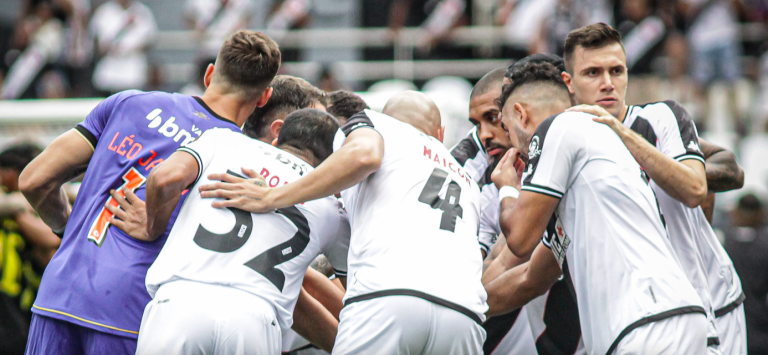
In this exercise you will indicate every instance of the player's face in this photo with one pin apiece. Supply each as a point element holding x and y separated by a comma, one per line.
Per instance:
<point>600,77</point>
<point>484,113</point>
<point>512,120</point>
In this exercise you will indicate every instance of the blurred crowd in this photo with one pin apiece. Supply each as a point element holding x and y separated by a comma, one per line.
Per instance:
<point>708,54</point>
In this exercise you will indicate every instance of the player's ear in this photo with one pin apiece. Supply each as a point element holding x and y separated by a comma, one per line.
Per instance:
<point>274,129</point>
<point>521,114</point>
<point>441,133</point>
<point>264,97</point>
<point>208,75</point>
<point>274,142</point>
<point>567,79</point>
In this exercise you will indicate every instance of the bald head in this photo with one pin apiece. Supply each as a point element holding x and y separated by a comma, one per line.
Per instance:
<point>417,109</point>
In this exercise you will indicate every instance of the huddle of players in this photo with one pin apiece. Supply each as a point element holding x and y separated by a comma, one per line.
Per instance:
<point>241,219</point>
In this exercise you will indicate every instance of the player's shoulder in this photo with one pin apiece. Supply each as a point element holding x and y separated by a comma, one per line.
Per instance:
<point>661,112</point>
<point>467,148</point>
<point>571,121</point>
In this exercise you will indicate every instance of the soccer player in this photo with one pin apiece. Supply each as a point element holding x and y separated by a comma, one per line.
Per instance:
<point>609,238</point>
<point>404,194</point>
<point>227,281</point>
<point>344,104</point>
<point>92,294</point>
<point>288,95</point>
<point>663,139</point>
<point>478,153</point>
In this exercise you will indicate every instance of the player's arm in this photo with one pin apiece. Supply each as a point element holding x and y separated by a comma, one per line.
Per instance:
<point>312,321</point>
<point>324,291</point>
<point>359,156</point>
<point>505,261</point>
<point>722,170</point>
<point>498,247</point>
<point>40,182</point>
<point>164,186</point>
<point>520,285</point>
<point>685,181</point>
<point>523,220</point>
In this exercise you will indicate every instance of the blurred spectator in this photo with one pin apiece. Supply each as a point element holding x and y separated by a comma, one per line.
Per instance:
<point>214,20</point>
<point>328,81</point>
<point>123,30</point>
<point>40,36</point>
<point>26,247</point>
<point>195,86</point>
<point>747,244</point>
<point>78,48</point>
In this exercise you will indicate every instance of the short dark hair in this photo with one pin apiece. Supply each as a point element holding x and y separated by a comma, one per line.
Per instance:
<point>596,35</point>
<point>288,94</point>
<point>344,104</point>
<point>310,130</point>
<point>553,59</point>
<point>18,156</point>
<point>493,77</point>
<point>248,61</point>
<point>531,73</point>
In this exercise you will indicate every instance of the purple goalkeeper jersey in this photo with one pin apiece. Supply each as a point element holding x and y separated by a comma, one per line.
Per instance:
<point>96,278</point>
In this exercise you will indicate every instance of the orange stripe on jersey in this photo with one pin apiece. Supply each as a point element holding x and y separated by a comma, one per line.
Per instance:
<point>84,320</point>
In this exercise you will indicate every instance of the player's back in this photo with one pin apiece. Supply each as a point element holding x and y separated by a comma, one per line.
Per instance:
<point>611,232</point>
<point>668,126</point>
<point>96,278</point>
<point>419,200</point>
<point>263,254</point>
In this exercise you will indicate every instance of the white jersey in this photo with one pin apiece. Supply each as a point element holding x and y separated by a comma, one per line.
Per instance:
<point>264,254</point>
<point>610,230</point>
<point>669,127</point>
<point>470,154</point>
<point>554,316</point>
<point>419,199</point>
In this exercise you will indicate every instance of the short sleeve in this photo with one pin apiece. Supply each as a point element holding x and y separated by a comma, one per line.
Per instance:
<point>489,217</point>
<point>683,137</point>
<point>203,149</point>
<point>337,251</point>
<point>551,158</point>
<point>93,125</point>
<point>358,120</point>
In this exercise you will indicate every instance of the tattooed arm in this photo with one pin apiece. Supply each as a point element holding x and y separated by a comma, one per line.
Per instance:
<point>723,173</point>
<point>322,265</point>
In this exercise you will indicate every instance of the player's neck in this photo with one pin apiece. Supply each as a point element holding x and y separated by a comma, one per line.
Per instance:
<point>623,113</point>
<point>230,107</point>
<point>301,154</point>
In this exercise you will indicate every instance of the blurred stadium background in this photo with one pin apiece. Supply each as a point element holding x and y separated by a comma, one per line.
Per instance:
<point>60,56</point>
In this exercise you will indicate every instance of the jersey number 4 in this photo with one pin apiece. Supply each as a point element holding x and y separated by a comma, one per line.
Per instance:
<point>133,180</point>
<point>450,205</point>
<point>266,262</point>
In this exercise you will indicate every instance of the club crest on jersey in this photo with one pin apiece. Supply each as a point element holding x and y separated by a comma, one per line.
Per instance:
<point>534,149</point>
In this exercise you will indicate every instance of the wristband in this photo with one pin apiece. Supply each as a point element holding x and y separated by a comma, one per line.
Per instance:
<point>508,191</point>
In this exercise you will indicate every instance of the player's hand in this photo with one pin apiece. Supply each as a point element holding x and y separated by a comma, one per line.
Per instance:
<point>509,171</point>
<point>250,195</point>
<point>603,116</point>
<point>130,216</point>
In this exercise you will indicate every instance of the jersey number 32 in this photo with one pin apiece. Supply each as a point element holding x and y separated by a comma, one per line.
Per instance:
<point>265,262</point>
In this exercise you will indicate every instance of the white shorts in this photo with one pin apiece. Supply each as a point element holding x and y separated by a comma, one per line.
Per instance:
<point>196,318</point>
<point>683,334</point>
<point>406,325</point>
<point>732,331</point>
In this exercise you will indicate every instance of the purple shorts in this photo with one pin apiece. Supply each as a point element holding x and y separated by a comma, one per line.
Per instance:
<point>53,336</point>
